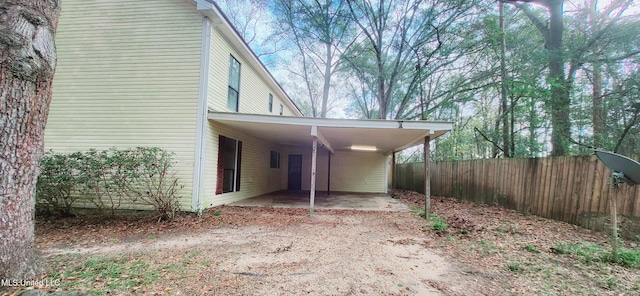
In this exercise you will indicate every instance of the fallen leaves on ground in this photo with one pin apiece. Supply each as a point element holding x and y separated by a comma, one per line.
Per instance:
<point>504,252</point>
<point>515,251</point>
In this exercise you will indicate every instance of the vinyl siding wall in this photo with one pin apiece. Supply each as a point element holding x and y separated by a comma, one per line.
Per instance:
<point>351,171</point>
<point>127,76</point>
<point>254,91</point>
<point>256,176</point>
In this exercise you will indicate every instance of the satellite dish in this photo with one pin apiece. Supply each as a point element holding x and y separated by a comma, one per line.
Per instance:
<point>624,168</point>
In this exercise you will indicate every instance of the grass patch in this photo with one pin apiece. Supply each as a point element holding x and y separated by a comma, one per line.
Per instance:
<point>507,228</point>
<point>418,211</point>
<point>612,283</point>
<point>590,252</point>
<point>514,267</point>
<point>488,247</point>
<point>437,223</point>
<point>103,274</point>
<point>630,257</point>
<point>531,249</point>
<point>627,257</point>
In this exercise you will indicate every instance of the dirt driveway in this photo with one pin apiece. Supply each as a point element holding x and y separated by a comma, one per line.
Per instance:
<point>264,251</point>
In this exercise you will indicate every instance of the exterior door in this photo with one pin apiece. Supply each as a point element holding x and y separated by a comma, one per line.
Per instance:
<point>295,172</point>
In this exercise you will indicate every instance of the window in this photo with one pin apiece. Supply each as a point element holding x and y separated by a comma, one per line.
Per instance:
<point>229,155</point>
<point>275,160</point>
<point>281,109</point>
<point>234,84</point>
<point>271,103</point>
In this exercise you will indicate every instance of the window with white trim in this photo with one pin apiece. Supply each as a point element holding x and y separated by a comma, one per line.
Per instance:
<point>233,95</point>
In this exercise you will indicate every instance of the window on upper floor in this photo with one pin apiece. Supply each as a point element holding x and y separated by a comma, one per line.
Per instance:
<point>281,109</point>
<point>234,84</point>
<point>271,103</point>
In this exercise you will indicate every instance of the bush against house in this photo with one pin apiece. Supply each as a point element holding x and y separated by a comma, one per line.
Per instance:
<point>108,180</point>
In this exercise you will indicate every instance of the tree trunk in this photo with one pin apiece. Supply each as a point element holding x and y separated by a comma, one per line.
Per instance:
<point>597,112</point>
<point>534,124</point>
<point>382,94</point>
<point>327,81</point>
<point>559,101</point>
<point>503,85</point>
<point>27,65</point>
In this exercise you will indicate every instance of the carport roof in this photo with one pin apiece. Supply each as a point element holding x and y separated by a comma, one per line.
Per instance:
<point>386,136</point>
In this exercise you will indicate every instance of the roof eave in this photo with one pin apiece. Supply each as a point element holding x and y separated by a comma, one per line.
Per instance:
<point>433,129</point>
<point>211,10</point>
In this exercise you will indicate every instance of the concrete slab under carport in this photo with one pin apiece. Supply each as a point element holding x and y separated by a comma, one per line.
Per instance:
<point>336,200</point>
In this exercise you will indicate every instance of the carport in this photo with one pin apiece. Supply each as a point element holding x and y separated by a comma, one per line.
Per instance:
<point>373,136</point>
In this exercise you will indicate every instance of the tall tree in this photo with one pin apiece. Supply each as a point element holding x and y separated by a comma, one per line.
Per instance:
<point>561,82</point>
<point>27,66</point>
<point>504,107</point>
<point>254,24</point>
<point>321,32</point>
<point>401,41</point>
<point>559,103</point>
<point>605,25</point>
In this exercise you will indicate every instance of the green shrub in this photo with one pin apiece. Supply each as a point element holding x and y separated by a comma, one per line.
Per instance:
<point>108,179</point>
<point>145,176</point>
<point>56,183</point>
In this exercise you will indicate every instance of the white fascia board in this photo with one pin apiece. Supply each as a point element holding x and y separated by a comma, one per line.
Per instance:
<point>208,9</point>
<point>204,5</point>
<point>332,122</point>
<point>318,135</point>
<point>418,141</point>
<point>432,125</point>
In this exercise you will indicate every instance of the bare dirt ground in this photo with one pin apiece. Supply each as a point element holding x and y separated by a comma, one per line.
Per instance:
<point>484,250</point>
<point>261,251</point>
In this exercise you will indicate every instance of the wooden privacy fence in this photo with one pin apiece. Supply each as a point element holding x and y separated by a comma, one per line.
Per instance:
<point>571,189</point>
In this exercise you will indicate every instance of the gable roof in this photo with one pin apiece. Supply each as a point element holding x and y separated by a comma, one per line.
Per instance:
<point>211,10</point>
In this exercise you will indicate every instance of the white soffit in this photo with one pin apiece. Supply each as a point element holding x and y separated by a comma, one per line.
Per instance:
<point>386,135</point>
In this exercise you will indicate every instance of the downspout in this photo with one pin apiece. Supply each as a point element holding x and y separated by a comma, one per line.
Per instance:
<point>201,118</point>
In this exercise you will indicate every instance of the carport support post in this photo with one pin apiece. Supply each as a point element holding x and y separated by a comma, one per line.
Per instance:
<point>329,173</point>
<point>427,177</point>
<point>312,194</point>
<point>393,170</point>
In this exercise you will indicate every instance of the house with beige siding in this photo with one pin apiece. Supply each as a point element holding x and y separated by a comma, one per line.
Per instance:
<point>175,74</point>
